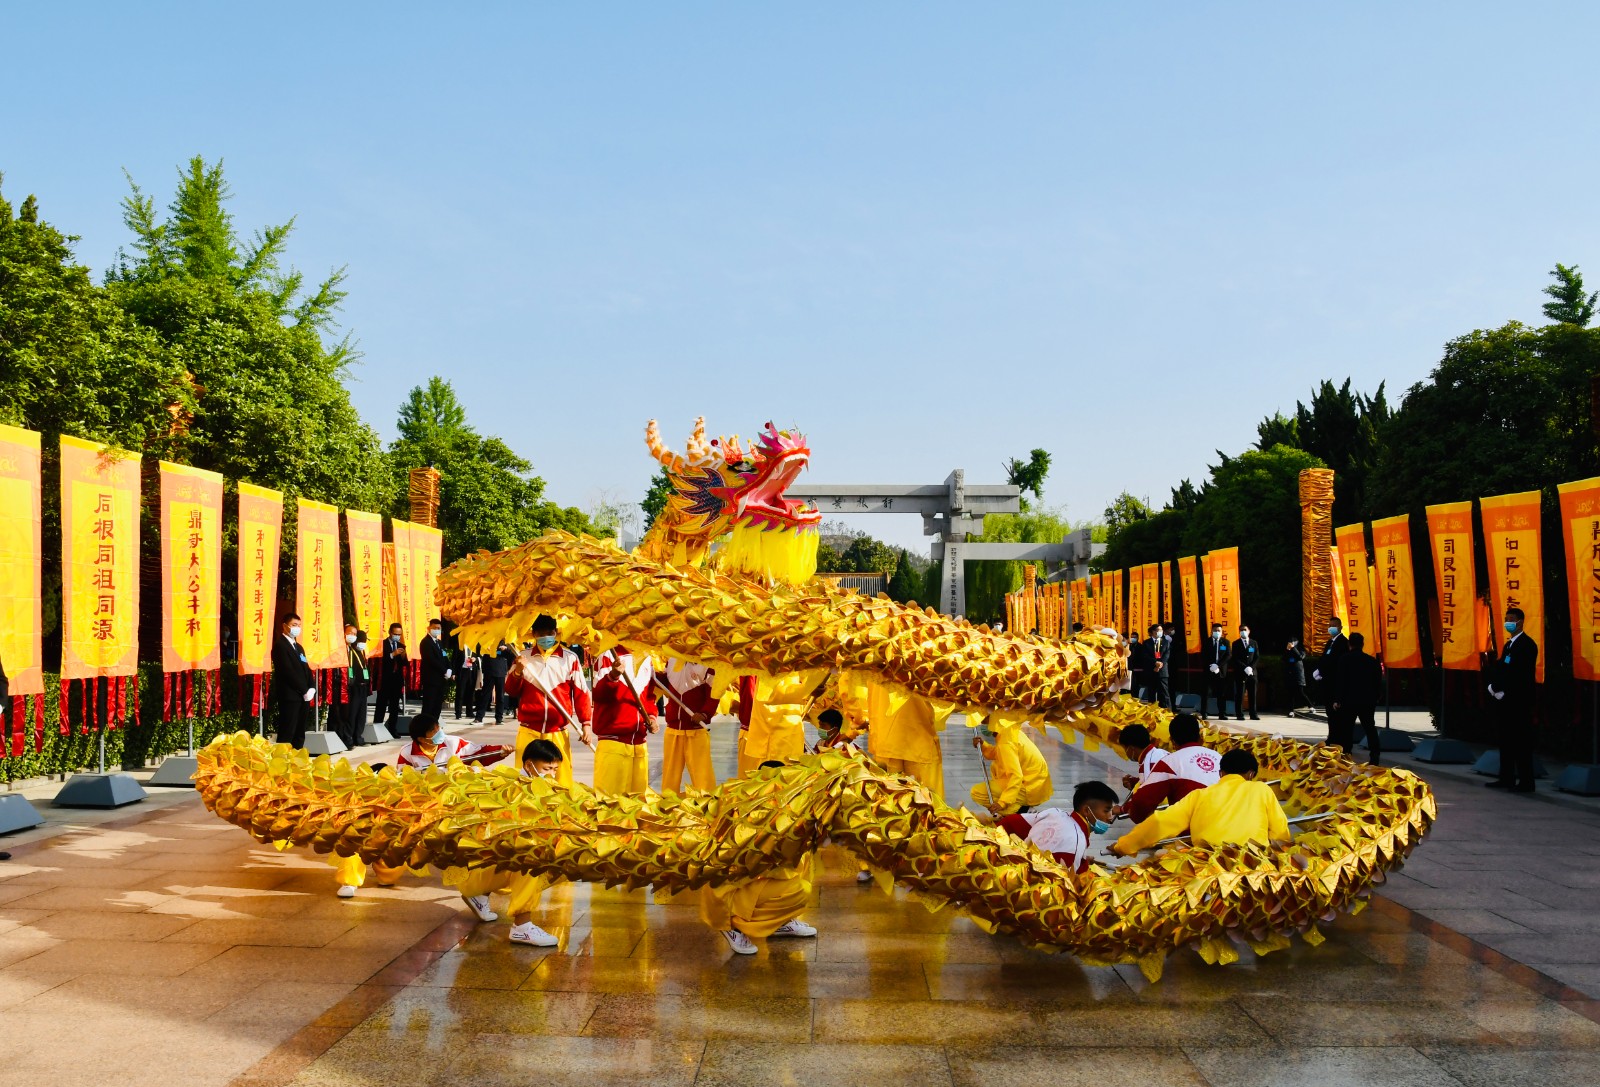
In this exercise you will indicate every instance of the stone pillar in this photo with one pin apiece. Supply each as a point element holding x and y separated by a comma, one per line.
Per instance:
<point>953,594</point>
<point>1316,537</point>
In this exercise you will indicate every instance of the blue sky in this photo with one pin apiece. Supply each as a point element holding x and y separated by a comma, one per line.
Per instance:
<point>930,235</point>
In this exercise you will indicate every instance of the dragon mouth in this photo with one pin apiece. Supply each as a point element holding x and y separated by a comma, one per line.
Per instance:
<point>763,504</point>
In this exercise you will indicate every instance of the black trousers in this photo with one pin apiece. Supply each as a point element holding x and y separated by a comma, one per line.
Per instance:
<point>355,717</point>
<point>1517,737</point>
<point>497,685</point>
<point>467,694</point>
<point>389,700</point>
<point>1368,716</point>
<point>293,717</point>
<point>1341,728</point>
<point>1302,697</point>
<point>432,700</point>
<point>1243,686</point>
<point>1219,691</point>
<point>1160,689</point>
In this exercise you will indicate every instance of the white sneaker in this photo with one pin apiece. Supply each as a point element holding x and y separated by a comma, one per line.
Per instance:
<point>346,891</point>
<point>739,942</point>
<point>530,933</point>
<point>796,927</point>
<point>479,904</point>
<point>863,876</point>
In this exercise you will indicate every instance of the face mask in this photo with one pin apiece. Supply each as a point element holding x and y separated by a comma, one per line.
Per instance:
<point>361,646</point>
<point>437,738</point>
<point>294,631</point>
<point>1216,634</point>
<point>1244,635</point>
<point>349,639</point>
<point>1511,628</point>
<point>546,641</point>
<point>433,632</point>
<point>1100,826</point>
<point>1333,632</point>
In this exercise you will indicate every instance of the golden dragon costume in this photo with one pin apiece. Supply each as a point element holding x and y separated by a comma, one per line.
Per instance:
<point>749,608</point>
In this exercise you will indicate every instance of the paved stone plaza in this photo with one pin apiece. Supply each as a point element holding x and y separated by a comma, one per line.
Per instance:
<point>158,945</point>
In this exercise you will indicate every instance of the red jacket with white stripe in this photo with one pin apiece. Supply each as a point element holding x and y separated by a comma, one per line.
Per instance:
<point>692,684</point>
<point>560,673</point>
<point>1174,776</point>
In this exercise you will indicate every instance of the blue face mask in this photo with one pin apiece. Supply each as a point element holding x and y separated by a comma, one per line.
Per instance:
<point>437,738</point>
<point>1100,826</point>
<point>547,641</point>
<point>1511,628</point>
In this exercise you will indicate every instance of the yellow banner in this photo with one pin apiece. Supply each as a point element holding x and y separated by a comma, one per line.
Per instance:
<point>1135,624</point>
<point>1225,575</point>
<point>1166,592</point>
<point>1211,592</point>
<point>406,585</point>
<point>1396,597</point>
<point>1339,608</point>
<point>1580,531</point>
<point>319,592</point>
<point>99,560</point>
<point>427,546</point>
<point>191,568</point>
<point>1118,616</point>
<point>260,540</point>
<point>1152,596</point>
<point>1455,578</point>
<point>21,554</point>
<point>1188,576</point>
<point>1516,573</point>
<point>1353,577</point>
<point>365,534</point>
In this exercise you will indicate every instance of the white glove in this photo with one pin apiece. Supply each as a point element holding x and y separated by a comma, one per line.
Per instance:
<point>1215,669</point>
<point>1498,695</point>
<point>1316,674</point>
<point>311,694</point>
<point>1249,671</point>
<point>448,674</point>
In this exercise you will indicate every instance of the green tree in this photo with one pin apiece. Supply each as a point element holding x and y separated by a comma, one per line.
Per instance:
<point>1124,511</point>
<point>655,499</point>
<point>988,582</point>
<point>488,497</point>
<point>1343,429</point>
<point>1569,306</point>
<point>1029,475</point>
<point>907,583</point>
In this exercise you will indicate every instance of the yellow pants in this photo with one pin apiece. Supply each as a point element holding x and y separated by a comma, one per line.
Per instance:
<point>526,735</point>
<point>687,749</point>
<point>352,872</point>
<point>757,908</point>
<point>525,892</point>
<point>930,774</point>
<point>621,769</point>
<point>747,763</point>
<point>980,796</point>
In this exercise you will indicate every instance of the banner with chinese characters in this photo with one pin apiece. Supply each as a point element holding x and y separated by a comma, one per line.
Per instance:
<point>1455,576</point>
<point>1225,575</point>
<point>21,554</point>
<point>99,560</point>
<point>1580,531</point>
<point>1353,577</point>
<point>405,586</point>
<point>1118,616</point>
<point>1188,577</point>
<point>1152,597</point>
<point>260,538</point>
<point>1396,593</point>
<point>1080,601</point>
<point>1516,572</point>
<point>319,592</point>
<point>1135,624</point>
<point>427,546</point>
<point>1339,609</point>
<point>365,533</point>
<point>191,568</point>
<point>1211,591</point>
<point>1166,592</point>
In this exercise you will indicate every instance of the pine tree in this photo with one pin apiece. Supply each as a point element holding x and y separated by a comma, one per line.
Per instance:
<point>1570,306</point>
<point>906,584</point>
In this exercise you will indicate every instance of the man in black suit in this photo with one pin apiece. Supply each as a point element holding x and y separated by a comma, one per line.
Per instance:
<point>435,671</point>
<point>467,664</point>
<point>1513,684</point>
<point>1357,684</point>
<point>1243,659</point>
<point>495,669</point>
<point>1158,658</point>
<point>293,686</point>
<point>1214,659</point>
<point>391,676</point>
<point>358,678</point>
<point>1139,665</point>
<point>1322,672</point>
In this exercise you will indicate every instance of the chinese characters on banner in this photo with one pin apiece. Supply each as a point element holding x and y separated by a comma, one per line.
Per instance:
<point>1357,583</point>
<point>260,537</point>
<point>191,565</point>
<point>1189,579</point>
<point>1095,612</point>
<point>365,532</point>
<point>1166,592</point>
<point>1456,578</point>
<point>1580,529</point>
<point>406,587</point>
<point>1516,572</point>
<point>1225,575</point>
<point>1396,601</point>
<point>1340,611</point>
<point>99,560</point>
<point>21,583</point>
<point>319,592</point>
<point>1135,601</point>
<point>427,545</point>
<point>1152,597</point>
<point>1080,602</point>
<point>1211,591</point>
<point>1117,614</point>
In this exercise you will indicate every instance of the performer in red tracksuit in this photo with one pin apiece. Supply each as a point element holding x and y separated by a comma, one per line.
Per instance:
<point>544,673</point>
<point>623,719</point>
<point>1066,835</point>
<point>687,745</point>
<point>1179,772</point>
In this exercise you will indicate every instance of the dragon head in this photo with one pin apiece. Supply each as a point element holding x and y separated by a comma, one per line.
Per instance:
<point>722,487</point>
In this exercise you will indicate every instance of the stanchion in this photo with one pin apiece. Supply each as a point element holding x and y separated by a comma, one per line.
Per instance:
<point>99,789</point>
<point>1584,780</point>
<point>320,741</point>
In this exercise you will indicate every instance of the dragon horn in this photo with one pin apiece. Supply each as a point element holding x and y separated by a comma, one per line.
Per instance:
<point>699,449</point>
<point>670,460</point>
<point>735,449</point>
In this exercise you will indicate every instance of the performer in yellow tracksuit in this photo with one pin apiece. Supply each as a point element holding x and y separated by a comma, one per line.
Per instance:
<point>777,718</point>
<point>903,736</point>
<point>768,905</point>
<point>1018,774</point>
<point>541,760</point>
<point>1237,809</point>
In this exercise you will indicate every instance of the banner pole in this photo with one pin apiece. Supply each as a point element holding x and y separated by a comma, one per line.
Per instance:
<point>191,726</point>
